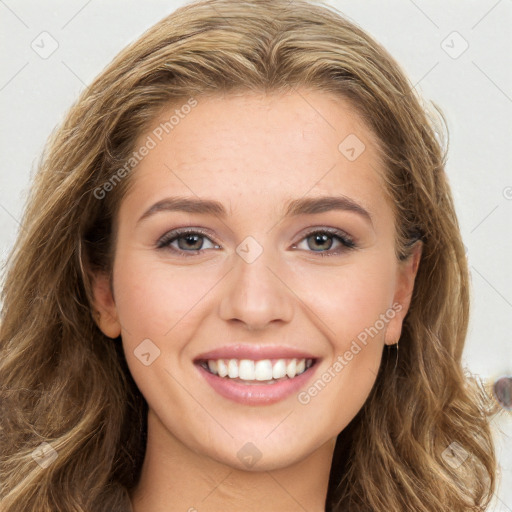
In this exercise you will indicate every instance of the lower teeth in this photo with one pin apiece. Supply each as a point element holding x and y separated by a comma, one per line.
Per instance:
<point>272,381</point>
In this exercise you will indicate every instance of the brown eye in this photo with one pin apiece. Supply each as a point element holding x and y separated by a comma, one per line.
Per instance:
<point>322,242</point>
<point>318,242</point>
<point>187,241</point>
<point>193,242</point>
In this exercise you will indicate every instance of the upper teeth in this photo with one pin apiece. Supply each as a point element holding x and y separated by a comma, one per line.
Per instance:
<point>247,369</point>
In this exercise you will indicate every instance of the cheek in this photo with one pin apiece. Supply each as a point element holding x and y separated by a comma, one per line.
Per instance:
<point>152,297</point>
<point>351,309</point>
<point>348,299</point>
<point>341,386</point>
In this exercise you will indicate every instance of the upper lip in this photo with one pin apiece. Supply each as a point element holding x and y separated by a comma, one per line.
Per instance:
<point>255,352</point>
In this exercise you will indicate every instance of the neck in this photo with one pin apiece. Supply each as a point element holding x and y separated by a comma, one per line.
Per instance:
<point>175,478</point>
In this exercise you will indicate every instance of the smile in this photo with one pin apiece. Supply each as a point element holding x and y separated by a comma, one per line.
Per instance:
<point>254,375</point>
<point>257,371</point>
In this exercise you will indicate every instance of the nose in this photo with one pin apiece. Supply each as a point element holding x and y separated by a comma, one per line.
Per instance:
<point>256,295</point>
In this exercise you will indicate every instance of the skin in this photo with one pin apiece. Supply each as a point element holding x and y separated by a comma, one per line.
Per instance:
<point>253,153</point>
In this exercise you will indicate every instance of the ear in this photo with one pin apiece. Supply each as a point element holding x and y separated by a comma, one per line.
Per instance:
<point>105,314</point>
<point>406,274</point>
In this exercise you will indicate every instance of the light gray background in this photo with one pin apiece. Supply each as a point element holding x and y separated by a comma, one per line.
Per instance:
<point>474,90</point>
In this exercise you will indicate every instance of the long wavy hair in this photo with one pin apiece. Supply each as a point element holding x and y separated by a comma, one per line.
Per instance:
<point>64,383</point>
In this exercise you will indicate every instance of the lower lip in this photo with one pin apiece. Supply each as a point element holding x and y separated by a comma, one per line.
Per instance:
<point>256,394</point>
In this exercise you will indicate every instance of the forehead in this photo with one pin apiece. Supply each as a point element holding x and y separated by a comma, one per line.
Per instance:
<point>258,149</point>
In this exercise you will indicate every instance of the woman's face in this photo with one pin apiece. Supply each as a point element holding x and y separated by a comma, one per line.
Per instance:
<point>299,291</point>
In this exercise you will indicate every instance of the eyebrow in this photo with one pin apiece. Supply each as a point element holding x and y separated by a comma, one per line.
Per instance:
<point>303,206</point>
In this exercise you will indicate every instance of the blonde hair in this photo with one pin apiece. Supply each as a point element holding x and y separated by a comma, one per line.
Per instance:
<point>66,384</point>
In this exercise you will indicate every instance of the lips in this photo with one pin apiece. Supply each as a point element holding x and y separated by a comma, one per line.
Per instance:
<point>254,375</point>
<point>255,352</point>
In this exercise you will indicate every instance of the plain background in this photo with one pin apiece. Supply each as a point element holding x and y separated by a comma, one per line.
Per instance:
<point>457,54</point>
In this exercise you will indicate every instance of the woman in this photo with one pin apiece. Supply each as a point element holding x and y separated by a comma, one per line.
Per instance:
<point>240,284</point>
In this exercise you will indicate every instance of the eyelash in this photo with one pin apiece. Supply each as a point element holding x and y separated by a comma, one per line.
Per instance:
<point>346,241</point>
